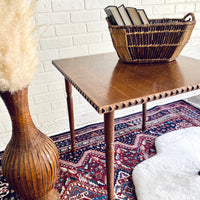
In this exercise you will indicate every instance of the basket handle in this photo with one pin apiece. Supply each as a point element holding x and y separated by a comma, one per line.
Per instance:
<point>190,17</point>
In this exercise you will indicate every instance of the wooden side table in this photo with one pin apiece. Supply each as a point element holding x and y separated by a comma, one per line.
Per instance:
<point>109,85</point>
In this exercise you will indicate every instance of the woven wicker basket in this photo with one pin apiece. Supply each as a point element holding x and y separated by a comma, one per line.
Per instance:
<point>159,41</point>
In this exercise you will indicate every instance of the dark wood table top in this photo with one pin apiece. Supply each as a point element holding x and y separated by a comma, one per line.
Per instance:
<point>108,84</point>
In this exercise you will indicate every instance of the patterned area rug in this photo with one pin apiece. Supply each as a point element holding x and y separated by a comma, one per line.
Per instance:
<point>82,174</point>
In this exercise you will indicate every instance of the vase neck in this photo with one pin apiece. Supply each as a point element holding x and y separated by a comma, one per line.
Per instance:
<point>18,108</point>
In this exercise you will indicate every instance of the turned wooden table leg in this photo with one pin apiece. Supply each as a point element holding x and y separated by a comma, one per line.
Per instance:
<point>144,113</point>
<point>68,87</point>
<point>109,140</point>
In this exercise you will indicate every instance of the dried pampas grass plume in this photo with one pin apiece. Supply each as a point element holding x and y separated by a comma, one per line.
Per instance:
<point>18,59</point>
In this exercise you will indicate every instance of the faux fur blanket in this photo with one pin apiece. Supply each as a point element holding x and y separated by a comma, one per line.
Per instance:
<point>18,59</point>
<point>172,174</point>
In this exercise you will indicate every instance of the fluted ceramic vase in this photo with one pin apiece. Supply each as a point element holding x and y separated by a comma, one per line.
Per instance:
<point>30,162</point>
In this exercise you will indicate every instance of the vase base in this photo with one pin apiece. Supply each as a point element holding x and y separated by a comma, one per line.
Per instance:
<point>52,195</point>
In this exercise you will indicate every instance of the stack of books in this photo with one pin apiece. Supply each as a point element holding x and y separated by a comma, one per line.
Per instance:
<point>126,15</point>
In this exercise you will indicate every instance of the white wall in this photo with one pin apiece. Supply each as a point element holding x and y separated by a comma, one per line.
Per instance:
<point>77,28</point>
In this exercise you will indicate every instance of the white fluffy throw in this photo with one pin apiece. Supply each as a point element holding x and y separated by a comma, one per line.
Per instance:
<point>172,174</point>
<point>18,59</point>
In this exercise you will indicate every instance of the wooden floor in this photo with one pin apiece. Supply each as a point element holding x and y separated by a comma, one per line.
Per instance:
<point>194,101</point>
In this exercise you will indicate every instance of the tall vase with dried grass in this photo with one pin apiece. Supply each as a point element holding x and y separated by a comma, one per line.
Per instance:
<point>30,162</point>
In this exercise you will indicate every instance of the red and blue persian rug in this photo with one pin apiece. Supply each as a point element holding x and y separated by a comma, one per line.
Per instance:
<point>83,174</point>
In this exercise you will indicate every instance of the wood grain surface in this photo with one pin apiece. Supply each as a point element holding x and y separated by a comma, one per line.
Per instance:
<point>109,84</point>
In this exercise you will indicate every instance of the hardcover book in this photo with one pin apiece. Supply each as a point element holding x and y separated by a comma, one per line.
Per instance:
<point>114,15</point>
<point>143,16</point>
<point>134,16</point>
<point>124,15</point>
